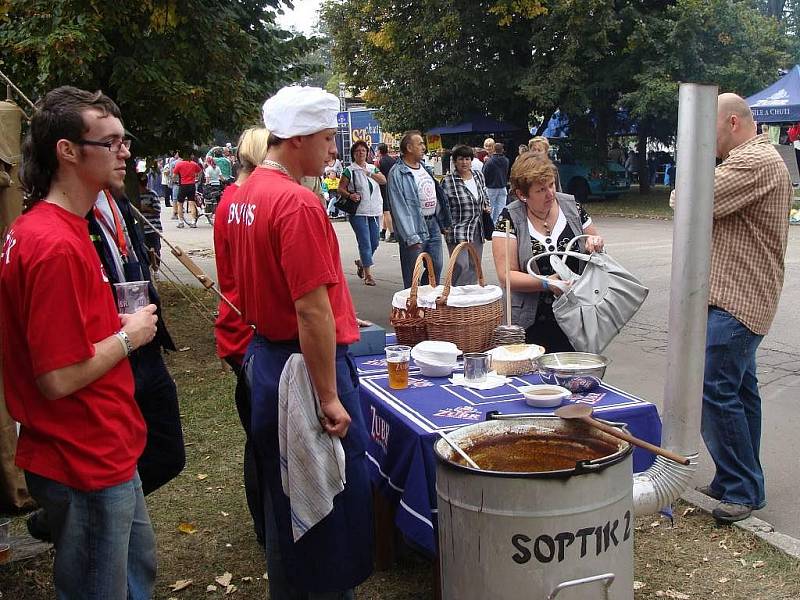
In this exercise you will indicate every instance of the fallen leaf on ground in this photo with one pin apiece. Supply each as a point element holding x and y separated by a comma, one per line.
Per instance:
<point>181,584</point>
<point>201,476</point>
<point>230,589</point>
<point>247,579</point>
<point>655,524</point>
<point>689,511</point>
<point>758,563</point>
<point>224,580</point>
<point>224,514</point>
<point>187,528</point>
<point>211,588</point>
<point>637,585</point>
<point>723,580</point>
<point>184,349</point>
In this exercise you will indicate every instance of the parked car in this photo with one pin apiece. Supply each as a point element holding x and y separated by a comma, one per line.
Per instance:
<point>584,175</point>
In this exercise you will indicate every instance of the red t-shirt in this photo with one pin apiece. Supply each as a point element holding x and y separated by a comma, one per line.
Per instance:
<point>55,304</point>
<point>283,247</point>
<point>187,170</point>
<point>232,333</point>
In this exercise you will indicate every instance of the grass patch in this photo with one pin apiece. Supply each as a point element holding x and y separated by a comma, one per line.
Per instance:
<point>694,559</point>
<point>653,205</point>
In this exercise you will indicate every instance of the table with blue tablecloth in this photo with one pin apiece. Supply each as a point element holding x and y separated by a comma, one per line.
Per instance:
<point>403,426</point>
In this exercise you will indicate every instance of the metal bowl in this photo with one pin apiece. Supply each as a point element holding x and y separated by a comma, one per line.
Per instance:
<point>579,372</point>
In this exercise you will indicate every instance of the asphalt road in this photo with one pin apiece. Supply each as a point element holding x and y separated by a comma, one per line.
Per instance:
<point>639,352</point>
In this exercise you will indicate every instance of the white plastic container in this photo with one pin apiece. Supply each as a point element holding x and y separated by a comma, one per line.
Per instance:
<point>544,396</point>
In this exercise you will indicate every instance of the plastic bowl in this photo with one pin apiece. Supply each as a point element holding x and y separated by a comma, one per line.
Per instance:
<point>544,396</point>
<point>436,352</point>
<point>430,370</point>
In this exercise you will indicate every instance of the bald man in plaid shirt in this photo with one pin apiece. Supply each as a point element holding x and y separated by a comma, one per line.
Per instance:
<point>752,198</point>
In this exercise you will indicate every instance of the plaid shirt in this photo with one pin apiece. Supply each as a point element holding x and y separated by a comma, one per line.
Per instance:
<point>465,209</point>
<point>752,199</point>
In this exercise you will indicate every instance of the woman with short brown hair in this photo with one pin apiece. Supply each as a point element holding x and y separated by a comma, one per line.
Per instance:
<point>539,220</point>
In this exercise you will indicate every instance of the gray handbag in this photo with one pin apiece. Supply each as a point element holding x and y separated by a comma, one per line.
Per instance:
<point>599,301</point>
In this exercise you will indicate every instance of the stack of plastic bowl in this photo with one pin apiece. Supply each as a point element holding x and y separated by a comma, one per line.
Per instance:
<point>434,358</point>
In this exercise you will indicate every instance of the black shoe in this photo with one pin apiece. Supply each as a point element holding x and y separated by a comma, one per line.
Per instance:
<point>391,238</point>
<point>38,526</point>
<point>709,491</point>
<point>383,234</point>
<point>730,513</point>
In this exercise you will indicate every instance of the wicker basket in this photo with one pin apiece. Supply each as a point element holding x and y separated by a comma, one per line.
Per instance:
<point>514,367</point>
<point>470,327</point>
<point>409,323</point>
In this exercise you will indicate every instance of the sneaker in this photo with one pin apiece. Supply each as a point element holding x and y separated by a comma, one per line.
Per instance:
<point>709,491</point>
<point>727,512</point>
<point>193,225</point>
<point>38,526</point>
<point>391,238</point>
<point>180,225</point>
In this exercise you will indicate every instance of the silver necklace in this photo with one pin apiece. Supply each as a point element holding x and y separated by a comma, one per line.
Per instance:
<point>271,164</point>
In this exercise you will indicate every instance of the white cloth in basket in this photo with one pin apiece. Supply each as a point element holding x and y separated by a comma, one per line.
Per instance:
<point>460,296</point>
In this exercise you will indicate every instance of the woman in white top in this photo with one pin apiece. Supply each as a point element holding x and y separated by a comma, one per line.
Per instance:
<point>361,183</point>
<point>212,172</point>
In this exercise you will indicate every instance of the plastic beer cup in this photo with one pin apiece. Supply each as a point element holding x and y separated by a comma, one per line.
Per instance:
<point>397,359</point>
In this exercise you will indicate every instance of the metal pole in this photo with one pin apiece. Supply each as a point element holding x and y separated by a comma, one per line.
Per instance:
<point>691,261</point>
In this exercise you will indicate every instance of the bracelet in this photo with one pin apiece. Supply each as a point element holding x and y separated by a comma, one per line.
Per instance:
<point>125,342</point>
<point>545,285</point>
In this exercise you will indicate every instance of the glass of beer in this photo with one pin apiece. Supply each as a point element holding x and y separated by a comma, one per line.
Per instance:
<point>397,359</point>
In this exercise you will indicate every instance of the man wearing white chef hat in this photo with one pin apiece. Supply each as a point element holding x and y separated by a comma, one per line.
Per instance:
<point>285,257</point>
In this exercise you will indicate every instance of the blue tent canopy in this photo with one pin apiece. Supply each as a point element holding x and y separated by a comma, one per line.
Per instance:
<point>559,125</point>
<point>475,125</point>
<point>780,102</point>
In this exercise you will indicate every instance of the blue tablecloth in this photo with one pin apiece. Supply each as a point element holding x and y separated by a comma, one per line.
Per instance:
<point>402,427</point>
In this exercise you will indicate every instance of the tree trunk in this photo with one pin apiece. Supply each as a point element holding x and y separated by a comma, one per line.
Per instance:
<point>775,8</point>
<point>642,170</point>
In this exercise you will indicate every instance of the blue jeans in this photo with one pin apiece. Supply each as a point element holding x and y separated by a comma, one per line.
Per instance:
<point>433,246</point>
<point>731,421</point>
<point>366,230</point>
<point>497,197</point>
<point>105,546</point>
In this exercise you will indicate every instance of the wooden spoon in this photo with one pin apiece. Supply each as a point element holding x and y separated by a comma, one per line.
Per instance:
<point>583,412</point>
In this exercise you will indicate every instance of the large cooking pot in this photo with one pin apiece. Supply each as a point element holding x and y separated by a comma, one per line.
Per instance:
<point>551,516</point>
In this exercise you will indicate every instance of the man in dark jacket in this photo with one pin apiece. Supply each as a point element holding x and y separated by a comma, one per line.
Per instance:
<point>164,455</point>
<point>495,172</point>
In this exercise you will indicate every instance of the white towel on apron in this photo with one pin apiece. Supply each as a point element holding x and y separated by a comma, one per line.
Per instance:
<point>312,461</point>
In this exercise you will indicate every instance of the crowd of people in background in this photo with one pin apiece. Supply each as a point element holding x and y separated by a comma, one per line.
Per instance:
<point>114,434</point>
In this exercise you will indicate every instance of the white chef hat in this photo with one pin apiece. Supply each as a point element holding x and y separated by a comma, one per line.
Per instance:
<point>299,110</point>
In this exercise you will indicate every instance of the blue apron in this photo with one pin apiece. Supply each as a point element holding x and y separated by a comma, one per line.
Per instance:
<point>335,554</point>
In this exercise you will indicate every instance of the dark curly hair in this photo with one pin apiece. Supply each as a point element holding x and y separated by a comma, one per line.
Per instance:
<point>59,115</point>
<point>356,145</point>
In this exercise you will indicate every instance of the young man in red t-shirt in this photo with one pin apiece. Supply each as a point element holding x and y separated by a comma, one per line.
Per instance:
<point>187,171</point>
<point>67,379</point>
<point>288,272</point>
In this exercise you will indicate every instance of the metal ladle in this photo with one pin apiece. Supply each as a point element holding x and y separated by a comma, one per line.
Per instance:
<point>582,412</point>
<point>460,451</point>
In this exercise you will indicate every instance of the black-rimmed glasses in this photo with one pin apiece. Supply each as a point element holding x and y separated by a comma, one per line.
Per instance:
<point>114,146</point>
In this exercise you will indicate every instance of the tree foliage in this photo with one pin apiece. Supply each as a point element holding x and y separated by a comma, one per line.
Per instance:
<point>424,62</point>
<point>177,69</point>
<point>712,41</point>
